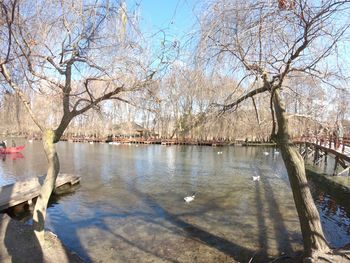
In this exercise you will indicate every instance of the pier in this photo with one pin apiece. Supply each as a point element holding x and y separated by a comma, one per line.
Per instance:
<point>142,140</point>
<point>23,192</point>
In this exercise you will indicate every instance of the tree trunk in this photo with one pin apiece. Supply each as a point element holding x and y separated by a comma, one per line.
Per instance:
<point>48,186</point>
<point>314,240</point>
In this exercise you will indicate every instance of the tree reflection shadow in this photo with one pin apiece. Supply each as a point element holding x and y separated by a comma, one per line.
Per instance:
<point>177,226</point>
<point>21,242</point>
<point>262,232</point>
<point>175,223</point>
<point>196,233</point>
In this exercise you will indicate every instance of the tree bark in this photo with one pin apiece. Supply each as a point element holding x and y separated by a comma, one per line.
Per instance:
<point>48,185</point>
<point>314,240</point>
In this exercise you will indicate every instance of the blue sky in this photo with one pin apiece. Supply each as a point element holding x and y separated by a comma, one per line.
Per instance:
<point>175,17</point>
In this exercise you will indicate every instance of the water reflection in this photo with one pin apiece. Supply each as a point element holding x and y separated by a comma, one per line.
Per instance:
<point>130,206</point>
<point>11,156</point>
<point>334,218</point>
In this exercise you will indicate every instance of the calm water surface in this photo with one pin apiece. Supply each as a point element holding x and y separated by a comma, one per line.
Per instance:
<point>130,208</point>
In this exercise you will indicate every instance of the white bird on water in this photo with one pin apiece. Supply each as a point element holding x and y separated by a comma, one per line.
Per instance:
<point>266,153</point>
<point>256,178</point>
<point>219,152</point>
<point>190,198</point>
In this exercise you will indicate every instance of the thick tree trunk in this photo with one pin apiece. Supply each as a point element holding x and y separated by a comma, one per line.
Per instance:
<point>48,186</point>
<point>314,240</point>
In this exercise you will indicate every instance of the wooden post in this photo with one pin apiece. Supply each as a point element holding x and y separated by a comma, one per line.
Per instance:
<point>315,154</point>
<point>325,158</point>
<point>335,165</point>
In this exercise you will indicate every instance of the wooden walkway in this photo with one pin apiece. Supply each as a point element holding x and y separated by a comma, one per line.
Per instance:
<point>27,190</point>
<point>320,148</point>
<point>140,140</point>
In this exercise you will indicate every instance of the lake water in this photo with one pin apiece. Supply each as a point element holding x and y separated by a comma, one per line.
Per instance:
<point>129,206</point>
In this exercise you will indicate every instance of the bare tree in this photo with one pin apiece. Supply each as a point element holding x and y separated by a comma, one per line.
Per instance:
<point>75,55</point>
<point>268,44</point>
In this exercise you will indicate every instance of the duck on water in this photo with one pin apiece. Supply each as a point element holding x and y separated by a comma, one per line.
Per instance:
<point>190,198</point>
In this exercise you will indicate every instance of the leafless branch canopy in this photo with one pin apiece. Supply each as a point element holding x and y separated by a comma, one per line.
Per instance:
<point>81,52</point>
<point>270,42</point>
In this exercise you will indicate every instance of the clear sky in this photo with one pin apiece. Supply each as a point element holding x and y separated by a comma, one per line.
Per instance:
<point>175,17</point>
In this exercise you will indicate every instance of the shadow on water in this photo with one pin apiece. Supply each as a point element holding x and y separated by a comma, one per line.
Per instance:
<point>103,226</point>
<point>21,243</point>
<point>265,199</point>
<point>262,236</point>
<point>279,226</point>
<point>193,235</point>
<point>54,199</point>
<point>19,240</point>
<point>99,222</point>
<point>234,251</point>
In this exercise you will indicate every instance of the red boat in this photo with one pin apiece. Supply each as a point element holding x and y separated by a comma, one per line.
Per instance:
<point>12,149</point>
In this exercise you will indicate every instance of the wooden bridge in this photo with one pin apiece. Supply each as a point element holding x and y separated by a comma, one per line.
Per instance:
<point>319,148</point>
<point>23,192</point>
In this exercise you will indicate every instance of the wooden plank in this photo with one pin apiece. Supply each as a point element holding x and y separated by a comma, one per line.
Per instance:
<point>23,191</point>
<point>67,178</point>
<point>347,170</point>
<point>11,195</point>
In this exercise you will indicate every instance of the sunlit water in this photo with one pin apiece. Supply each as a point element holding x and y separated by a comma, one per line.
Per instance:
<point>129,206</point>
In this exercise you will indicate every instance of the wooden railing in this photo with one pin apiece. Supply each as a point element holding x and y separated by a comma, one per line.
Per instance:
<point>331,141</point>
